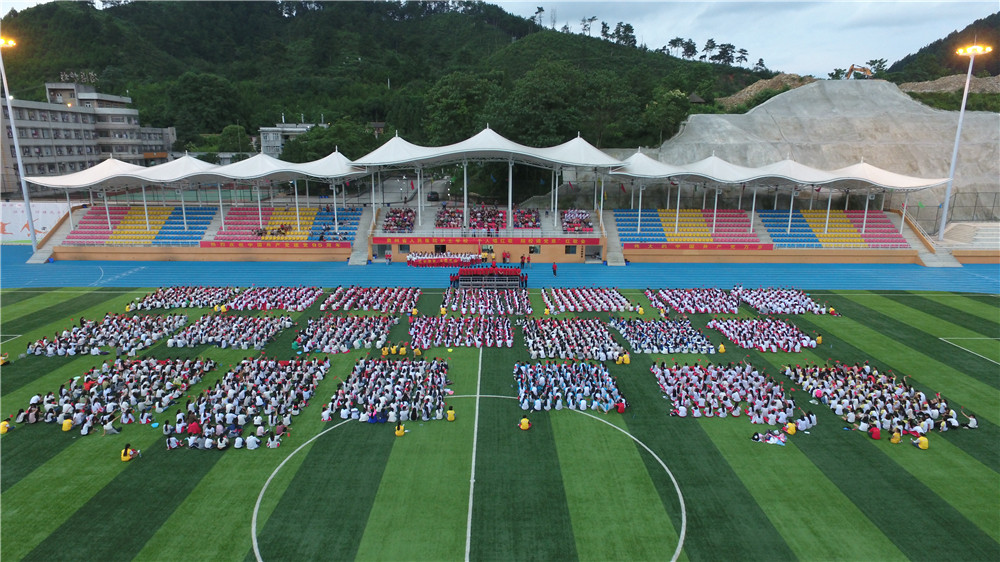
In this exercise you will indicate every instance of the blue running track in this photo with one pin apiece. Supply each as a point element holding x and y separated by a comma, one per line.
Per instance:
<point>16,273</point>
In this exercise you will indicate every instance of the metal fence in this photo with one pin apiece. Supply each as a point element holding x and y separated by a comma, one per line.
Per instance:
<point>974,206</point>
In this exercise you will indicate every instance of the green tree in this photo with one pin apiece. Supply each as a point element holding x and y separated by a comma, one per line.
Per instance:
<point>234,138</point>
<point>690,49</point>
<point>609,111</point>
<point>677,45</point>
<point>709,47</point>
<point>454,106</point>
<point>541,109</point>
<point>204,102</point>
<point>352,138</point>
<point>624,34</point>
<point>666,110</point>
<point>742,56</point>
<point>878,67</point>
<point>837,74</point>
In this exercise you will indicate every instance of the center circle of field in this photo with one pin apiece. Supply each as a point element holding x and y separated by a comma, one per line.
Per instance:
<point>666,469</point>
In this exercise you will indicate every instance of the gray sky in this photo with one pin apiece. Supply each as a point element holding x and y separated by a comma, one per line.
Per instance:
<point>792,36</point>
<point>798,37</point>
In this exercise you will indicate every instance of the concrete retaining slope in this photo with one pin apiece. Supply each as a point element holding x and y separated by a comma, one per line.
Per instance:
<point>830,124</point>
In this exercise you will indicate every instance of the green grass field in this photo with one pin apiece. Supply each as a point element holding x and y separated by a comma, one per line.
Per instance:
<point>574,487</point>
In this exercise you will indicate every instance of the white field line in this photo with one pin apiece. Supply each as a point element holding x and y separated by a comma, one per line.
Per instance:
<point>4,338</point>
<point>969,350</point>
<point>472,478</point>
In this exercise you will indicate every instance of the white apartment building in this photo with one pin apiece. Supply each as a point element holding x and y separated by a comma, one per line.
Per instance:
<point>75,129</point>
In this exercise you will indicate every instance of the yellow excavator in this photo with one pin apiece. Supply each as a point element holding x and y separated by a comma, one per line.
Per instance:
<point>855,69</point>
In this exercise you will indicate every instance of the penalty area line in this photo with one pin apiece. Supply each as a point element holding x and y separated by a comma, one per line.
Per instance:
<point>969,350</point>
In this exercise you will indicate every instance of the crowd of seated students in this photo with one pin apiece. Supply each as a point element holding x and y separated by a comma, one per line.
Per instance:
<point>762,334</point>
<point>253,404</point>
<point>695,301</point>
<point>527,218</point>
<point>124,391</point>
<point>398,221</point>
<point>441,259</point>
<point>779,301</point>
<point>576,220</point>
<point>467,331</point>
<point>380,390</point>
<point>128,334</point>
<point>570,338</point>
<point>578,385</point>
<point>280,230</point>
<point>585,300</point>
<point>340,334</point>
<point>487,301</point>
<point>184,297</point>
<point>721,390</point>
<point>480,218</point>
<point>294,299</point>
<point>874,401</point>
<point>229,331</point>
<point>390,300</point>
<point>332,234</point>
<point>662,336</point>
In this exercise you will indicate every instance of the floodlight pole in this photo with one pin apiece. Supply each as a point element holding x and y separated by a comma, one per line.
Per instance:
<point>972,52</point>
<point>17,153</point>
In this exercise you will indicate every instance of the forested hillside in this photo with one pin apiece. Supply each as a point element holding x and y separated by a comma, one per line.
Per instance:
<point>434,71</point>
<point>939,59</point>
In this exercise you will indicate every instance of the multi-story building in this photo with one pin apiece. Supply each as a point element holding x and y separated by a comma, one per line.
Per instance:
<point>273,139</point>
<point>75,129</point>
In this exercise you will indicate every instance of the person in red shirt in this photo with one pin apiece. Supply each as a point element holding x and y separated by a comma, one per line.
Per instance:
<point>554,270</point>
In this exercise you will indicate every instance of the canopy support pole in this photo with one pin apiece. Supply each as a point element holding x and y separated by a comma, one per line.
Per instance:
<point>90,192</point>
<point>791,207</point>
<point>638,224</point>
<point>882,205</point>
<point>107,211</point>
<point>555,201</point>
<point>631,202</point>
<point>145,209</point>
<point>677,213</point>
<point>222,214</point>
<point>668,195</point>
<point>715,211</point>
<point>864,222</point>
<point>420,197</point>
<point>260,214</point>
<point>70,205</point>
<point>336,223</point>
<point>552,191</point>
<point>307,192</point>
<point>775,198</point>
<point>739,203</point>
<point>847,199</point>
<point>595,188</point>
<point>465,194</point>
<point>600,212</point>
<point>826,223</point>
<point>902,219</point>
<point>704,197</point>
<point>753,208</point>
<point>373,196</point>
<point>510,196</point>
<point>298,218</point>
<point>184,215</point>
<point>812,196</point>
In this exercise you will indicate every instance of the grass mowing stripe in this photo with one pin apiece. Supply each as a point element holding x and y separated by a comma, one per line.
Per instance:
<point>708,482</point>
<point>966,305</point>
<point>924,358</point>
<point>808,510</point>
<point>957,478</point>
<point>324,509</point>
<point>920,332</point>
<point>119,519</point>
<point>11,297</point>
<point>39,503</point>
<point>427,469</point>
<point>893,498</point>
<point>938,319</point>
<point>604,477</point>
<point>42,313</point>
<point>520,510</point>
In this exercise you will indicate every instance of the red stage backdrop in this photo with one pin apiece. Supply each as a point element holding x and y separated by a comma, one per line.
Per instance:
<point>271,244</point>
<point>475,240</point>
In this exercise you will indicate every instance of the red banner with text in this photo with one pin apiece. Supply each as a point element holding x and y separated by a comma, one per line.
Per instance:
<point>694,246</point>
<point>481,240</point>
<point>310,244</point>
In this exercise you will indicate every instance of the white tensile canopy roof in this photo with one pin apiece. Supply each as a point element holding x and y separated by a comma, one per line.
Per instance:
<point>485,145</point>
<point>718,170</point>
<point>109,173</point>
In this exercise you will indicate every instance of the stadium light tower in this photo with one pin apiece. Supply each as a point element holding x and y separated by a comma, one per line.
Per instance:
<point>970,52</point>
<point>7,44</point>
